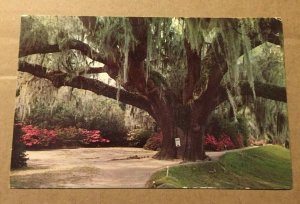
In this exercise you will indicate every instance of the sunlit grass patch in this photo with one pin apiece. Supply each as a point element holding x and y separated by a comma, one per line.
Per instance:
<point>267,167</point>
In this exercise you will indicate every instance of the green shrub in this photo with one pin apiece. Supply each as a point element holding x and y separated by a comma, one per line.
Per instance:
<point>138,137</point>
<point>69,133</point>
<point>216,125</point>
<point>114,129</point>
<point>18,156</point>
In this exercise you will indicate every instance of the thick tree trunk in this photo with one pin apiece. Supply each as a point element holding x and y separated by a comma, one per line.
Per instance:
<point>164,116</point>
<point>168,149</point>
<point>184,122</point>
<point>194,147</point>
<point>191,134</point>
<point>194,141</point>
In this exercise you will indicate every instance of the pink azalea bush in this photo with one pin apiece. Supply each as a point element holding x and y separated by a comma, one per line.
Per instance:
<point>38,137</point>
<point>92,137</point>
<point>35,137</point>
<point>210,142</point>
<point>224,143</point>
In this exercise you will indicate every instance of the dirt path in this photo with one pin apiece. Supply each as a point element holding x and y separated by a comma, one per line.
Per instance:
<point>88,168</point>
<point>91,168</point>
<point>217,155</point>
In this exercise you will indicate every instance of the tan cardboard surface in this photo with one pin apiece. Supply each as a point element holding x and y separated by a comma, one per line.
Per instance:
<point>10,12</point>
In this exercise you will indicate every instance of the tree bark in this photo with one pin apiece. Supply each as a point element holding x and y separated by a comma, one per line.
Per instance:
<point>168,150</point>
<point>164,115</point>
<point>194,148</point>
<point>195,134</point>
<point>193,72</point>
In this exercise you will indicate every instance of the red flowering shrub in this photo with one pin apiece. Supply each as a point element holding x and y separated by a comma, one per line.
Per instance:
<point>40,138</point>
<point>72,137</point>
<point>92,137</point>
<point>212,144</point>
<point>34,137</point>
<point>154,142</point>
<point>225,143</point>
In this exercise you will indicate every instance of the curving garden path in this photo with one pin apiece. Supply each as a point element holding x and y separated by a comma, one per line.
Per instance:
<point>112,167</point>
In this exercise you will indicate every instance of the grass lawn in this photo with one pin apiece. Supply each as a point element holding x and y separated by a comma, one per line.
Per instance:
<point>267,167</point>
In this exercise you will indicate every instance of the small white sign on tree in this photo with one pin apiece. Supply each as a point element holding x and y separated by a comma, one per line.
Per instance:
<point>177,142</point>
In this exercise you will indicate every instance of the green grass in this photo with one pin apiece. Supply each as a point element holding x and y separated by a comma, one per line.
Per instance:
<point>267,167</point>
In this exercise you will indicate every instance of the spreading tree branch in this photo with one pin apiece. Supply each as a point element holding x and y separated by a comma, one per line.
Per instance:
<point>112,68</point>
<point>95,70</point>
<point>59,79</point>
<point>84,48</point>
<point>267,91</point>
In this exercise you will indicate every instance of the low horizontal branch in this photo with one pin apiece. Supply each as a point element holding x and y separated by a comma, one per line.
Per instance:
<point>59,79</point>
<point>263,90</point>
<point>84,48</point>
<point>95,70</point>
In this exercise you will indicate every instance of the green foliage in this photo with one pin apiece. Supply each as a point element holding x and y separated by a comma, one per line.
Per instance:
<point>112,128</point>
<point>68,137</point>
<point>18,156</point>
<point>267,167</point>
<point>33,33</point>
<point>116,37</point>
<point>138,137</point>
<point>42,117</point>
<point>271,117</point>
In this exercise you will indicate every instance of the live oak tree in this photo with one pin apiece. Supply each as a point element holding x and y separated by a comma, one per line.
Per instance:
<point>176,69</point>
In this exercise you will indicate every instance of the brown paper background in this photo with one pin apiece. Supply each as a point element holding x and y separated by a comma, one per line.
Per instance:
<point>10,12</point>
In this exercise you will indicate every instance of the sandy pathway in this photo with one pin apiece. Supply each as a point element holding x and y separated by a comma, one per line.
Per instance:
<point>217,155</point>
<point>88,168</point>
